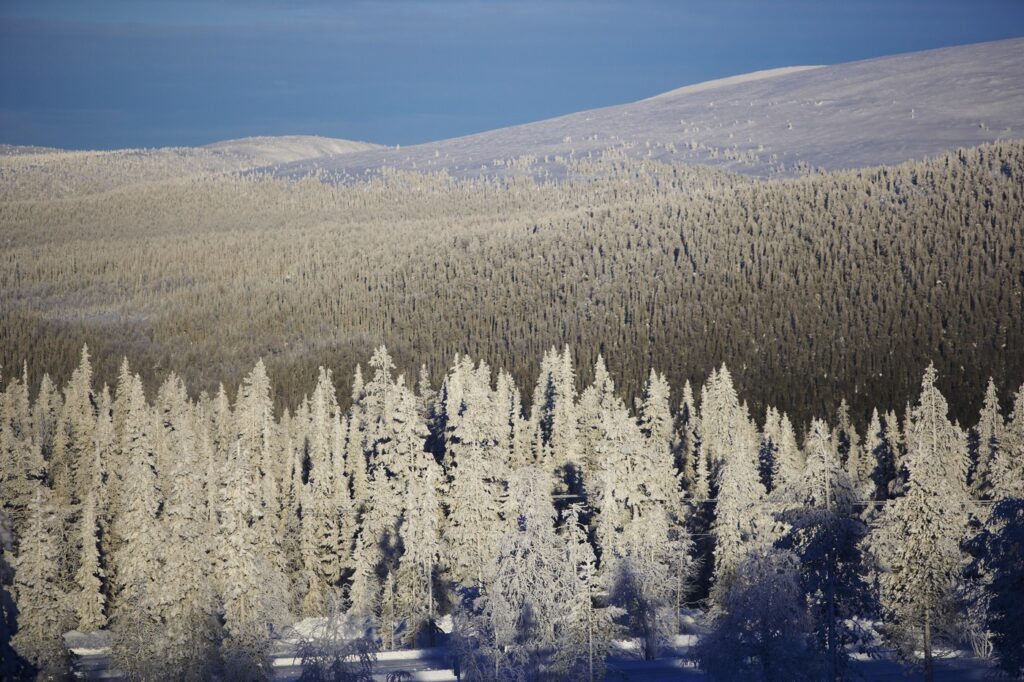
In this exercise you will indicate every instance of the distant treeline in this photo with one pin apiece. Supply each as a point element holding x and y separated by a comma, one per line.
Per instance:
<point>818,288</point>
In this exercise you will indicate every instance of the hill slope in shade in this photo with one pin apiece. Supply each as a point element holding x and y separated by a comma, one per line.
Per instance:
<point>874,112</point>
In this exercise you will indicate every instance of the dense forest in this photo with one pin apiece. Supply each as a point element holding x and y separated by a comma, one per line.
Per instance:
<point>192,528</point>
<point>815,289</point>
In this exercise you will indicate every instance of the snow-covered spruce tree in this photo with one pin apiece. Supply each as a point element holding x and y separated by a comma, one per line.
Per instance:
<point>686,443</point>
<point>23,464</point>
<point>589,629</point>
<point>767,455</point>
<point>789,459</point>
<point>509,422</point>
<point>401,437</point>
<point>474,525</point>
<point>173,413</point>
<point>256,428</point>
<point>78,419</point>
<point>823,530</point>
<point>43,613</point>
<point>46,417</point>
<point>915,540</point>
<point>243,571</point>
<point>763,631</point>
<point>1007,467</point>
<point>719,407</point>
<point>421,542</point>
<point>259,434</point>
<point>554,416</point>
<point>595,401</point>
<point>187,597</point>
<point>648,575</point>
<point>376,546</point>
<point>364,592</point>
<point>895,437</point>
<point>844,436</point>
<point>101,477</point>
<point>654,413</point>
<point>859,461</point>
<point>375,393</point>
<point>137,560</point>
<point>522,610</point>
<point>89,600</point>
<point>740,521</point>
<point>320,549</point>
<point>29,469</point>
<point>878,445</point>
<point>990,434</point>
<point>291,513</point>
<point>11,664</point>
<point>341,487</point>
<point>1000,565</point>
<point>355,458</point>
<point>135,528</point>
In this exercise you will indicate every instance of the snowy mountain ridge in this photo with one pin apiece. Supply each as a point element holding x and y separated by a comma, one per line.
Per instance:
<point>777,122</point>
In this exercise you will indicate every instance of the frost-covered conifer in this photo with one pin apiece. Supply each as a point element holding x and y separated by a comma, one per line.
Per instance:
<point>990,431</point>
<point>46,417</point>
<point>1000,563</point>
<point>763,631</point>
<point>915,541</point>
<point>243,576</point>
<point>686,442</point>
<point>648,575</point>
<point>43,613</point>
<point>587,634</point>
<point>823,530</point>
<point>523,604</point>
<point>365,589</point>
<point>739,518</point>
<point>258,433</point>
<point>474,525</point>
<point>654,413</point>
<point>187,598</point>
<point>1007,469</point>
<point>79,422</point>
<point>878,445</point>
<point>88,600</point>
<point>139,536</point>
<point>10,662</point>
<point>420,535</point>
<point>554,414</point>
<point>320,540</point>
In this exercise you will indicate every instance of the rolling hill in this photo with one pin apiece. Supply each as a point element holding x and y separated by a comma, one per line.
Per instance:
<point>777,122</point>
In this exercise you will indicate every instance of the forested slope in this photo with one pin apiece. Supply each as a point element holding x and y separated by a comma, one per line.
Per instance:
<point>817,287</point>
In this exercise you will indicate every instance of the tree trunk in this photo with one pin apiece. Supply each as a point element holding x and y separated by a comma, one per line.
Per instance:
<point>430,599</point>
<point>590,646</point>
<point>929,673</point>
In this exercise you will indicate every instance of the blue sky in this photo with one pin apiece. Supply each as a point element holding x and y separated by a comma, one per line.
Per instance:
<point>107,74</point>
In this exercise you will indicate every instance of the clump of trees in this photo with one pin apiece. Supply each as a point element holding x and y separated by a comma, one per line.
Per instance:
<point>193,527</point>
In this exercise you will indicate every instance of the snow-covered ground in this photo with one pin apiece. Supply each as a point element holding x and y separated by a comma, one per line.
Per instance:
<point>873,112</point>
<point>288,148</point>
<point>92,650</point>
